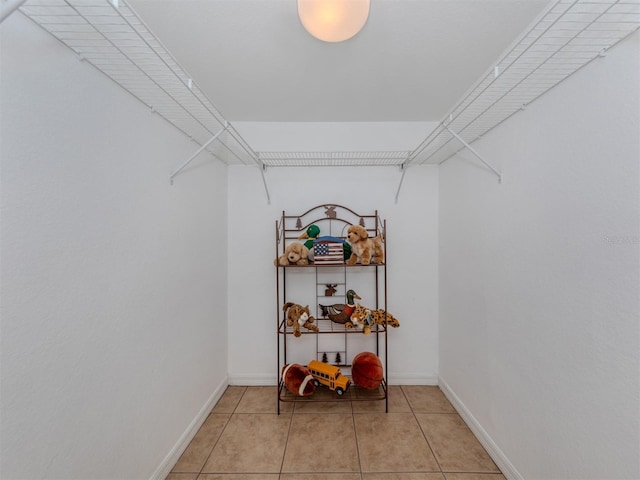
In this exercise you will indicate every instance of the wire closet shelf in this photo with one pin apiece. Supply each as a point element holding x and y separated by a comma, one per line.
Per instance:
<point>332,159</point>
<point>568,36</point>
<point>110,36</point>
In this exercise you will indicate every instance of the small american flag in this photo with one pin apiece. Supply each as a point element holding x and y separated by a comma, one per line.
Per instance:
<point>328,253</point>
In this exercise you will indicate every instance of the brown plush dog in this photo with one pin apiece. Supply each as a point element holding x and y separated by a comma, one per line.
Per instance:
<point>364,249</point>
<point>295,254</point>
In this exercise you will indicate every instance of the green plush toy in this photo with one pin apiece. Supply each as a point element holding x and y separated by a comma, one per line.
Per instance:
<point>312,233</point>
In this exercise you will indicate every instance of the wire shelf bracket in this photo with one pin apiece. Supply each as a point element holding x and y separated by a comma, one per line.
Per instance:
<point>264,182</point>
<point>472,150</point>
<point>192,157</point>
<point>566,37</point>
<point>404,170</point>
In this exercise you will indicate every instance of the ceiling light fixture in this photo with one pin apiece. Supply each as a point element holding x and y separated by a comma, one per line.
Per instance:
<point>333,20</point>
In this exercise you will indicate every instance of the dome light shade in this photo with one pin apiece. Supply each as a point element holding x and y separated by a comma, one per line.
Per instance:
<point>333,20</point>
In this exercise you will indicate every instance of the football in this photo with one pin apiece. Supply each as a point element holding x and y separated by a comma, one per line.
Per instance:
<point>298,380</point>
<point>366,370</point>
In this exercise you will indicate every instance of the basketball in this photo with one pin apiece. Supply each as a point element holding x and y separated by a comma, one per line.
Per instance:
<point>298,380</point>
<point>366,370</point>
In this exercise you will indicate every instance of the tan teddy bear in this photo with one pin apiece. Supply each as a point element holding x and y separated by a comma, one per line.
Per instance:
<point>295,254</point>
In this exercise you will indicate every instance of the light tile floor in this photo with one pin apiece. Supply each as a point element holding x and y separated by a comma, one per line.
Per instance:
<point>421,438</point>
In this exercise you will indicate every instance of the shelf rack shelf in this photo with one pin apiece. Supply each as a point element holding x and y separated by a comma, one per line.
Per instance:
<point>354,394</point>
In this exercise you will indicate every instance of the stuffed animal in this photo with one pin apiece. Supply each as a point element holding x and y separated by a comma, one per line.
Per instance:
<point>341,312</point>
<point>364,249</point>
<point>312,233</point>
<point>295,254</point>
<point>298,380</point>
<point>379,316</point>
<point>382,317</point>
<point>298,316</point>
<point>361,318</point>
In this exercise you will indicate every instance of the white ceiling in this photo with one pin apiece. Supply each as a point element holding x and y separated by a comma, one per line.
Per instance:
<point>413,60</point>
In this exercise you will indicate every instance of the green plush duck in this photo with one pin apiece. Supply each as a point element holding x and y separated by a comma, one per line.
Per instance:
<point>340,312</point>
<point>312,234</point>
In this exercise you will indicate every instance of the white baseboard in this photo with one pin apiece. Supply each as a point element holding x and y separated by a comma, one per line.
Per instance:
<point>498,456</point>
<point>172,457</point>
<point>411,379</point>
<point>253,380</point>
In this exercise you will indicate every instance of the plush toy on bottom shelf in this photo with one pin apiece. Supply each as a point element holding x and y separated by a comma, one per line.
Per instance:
<point>298,380</point>
<point>295,254</point>
<point>366,370</point>
<point>298,316</point>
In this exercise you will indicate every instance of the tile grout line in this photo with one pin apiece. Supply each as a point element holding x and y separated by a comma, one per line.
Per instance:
<point>286,443</point>
<point>226,424</point>
<point>423,433</point>
<point>359,474</point>
<point>215,443</point>
<point>355,434</point>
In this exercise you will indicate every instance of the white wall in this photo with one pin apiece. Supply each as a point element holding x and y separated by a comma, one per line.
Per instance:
<point>539,280</point>
<point>113,282</point>
<point>411,249</point>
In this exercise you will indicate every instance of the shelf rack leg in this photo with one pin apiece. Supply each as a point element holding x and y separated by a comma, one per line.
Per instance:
<point>278,327</point>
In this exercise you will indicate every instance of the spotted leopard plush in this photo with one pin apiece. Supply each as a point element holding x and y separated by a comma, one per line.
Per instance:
<point>378,317</point>
<point>364,318</point>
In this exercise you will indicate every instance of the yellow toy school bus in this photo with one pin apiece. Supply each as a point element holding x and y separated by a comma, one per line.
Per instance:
<point>329,375</point>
